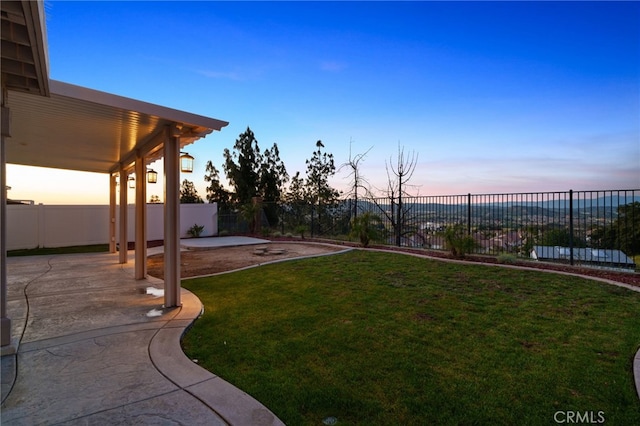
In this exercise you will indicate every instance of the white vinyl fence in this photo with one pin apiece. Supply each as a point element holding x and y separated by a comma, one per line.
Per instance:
<point>32,226</point>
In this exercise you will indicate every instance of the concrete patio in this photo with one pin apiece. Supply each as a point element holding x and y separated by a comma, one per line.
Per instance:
<point>210,243</point>
<point>92,345</point>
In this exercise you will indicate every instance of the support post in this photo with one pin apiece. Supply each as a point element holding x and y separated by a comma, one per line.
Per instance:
<point>112,213</point>
<point>5,322</point>
<point>172,219</point>
<point>124,242</point>
<point>141,220</point>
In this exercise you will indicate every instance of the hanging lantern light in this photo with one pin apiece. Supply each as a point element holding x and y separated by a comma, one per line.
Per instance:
<point>132,182</point>
<point>186,163</point>
<point>152,176</point>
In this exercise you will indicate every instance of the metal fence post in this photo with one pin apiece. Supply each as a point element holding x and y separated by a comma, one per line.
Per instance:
<point>469,214</point>
<point>571,226</point>
<point>399,221</point>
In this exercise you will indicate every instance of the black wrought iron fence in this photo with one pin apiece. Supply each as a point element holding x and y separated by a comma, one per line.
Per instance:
<point>600,228</point>
<point>300,219</point>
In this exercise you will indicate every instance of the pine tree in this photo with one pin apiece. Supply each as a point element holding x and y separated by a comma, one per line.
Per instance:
<point>216,193</point>
<point>273,176</point>
<point>242,166</point>
<point>189,194</point>
<point>321,195</point>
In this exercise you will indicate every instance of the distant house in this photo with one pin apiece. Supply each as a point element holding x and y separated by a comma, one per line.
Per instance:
<point>484,245</point>
<point>507,241</point>
<point>603,258</point>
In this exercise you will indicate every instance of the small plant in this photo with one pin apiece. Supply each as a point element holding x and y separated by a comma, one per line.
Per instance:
<point>507,258</point>
<point>251,213</point>
<point>366,228</point>
<point>195,230</point>
<point>301,229</point>
<point>458,242</point>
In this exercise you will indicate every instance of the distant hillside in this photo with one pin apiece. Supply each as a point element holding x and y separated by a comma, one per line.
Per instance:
<point>604,207</point>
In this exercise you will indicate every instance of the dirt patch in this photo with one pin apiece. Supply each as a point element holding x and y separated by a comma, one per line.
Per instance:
<point>206,262</point>
<point>195,263</point>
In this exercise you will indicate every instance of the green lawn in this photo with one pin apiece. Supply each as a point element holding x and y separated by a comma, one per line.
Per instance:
<point>379,338</point>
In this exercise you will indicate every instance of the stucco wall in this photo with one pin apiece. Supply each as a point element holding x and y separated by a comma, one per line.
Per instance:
<point>31,226</point>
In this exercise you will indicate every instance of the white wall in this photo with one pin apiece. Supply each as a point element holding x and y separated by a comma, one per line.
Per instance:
<point>198,214</point>
<point>31,226</point>
<point>23,226</point>
<point>190,214</point>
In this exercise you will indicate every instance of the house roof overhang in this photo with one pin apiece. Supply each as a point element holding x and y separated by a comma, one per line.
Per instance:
<point>25,61</point>
<point>77,128</point>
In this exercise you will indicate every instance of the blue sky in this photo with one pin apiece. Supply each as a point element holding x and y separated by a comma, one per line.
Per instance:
<point>492,97</point>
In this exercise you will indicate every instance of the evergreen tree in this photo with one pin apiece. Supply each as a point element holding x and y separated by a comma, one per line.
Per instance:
<point>628,228</point>
<point>216,193</point>
<point>296,199</point>
<point>253,173</point>
<point>321,195</point>
<point>273,176</point>
<point>297,193</point>
<point>623,233</point>
<point>188,193</point>
<point>242,167</point>
<point>319,169</point>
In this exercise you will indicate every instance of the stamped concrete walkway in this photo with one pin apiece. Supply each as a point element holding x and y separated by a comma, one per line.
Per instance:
<point>94,346</point>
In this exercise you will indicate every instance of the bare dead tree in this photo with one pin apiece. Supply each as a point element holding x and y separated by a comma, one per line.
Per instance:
<point>357,180</point>
<point>398,176</point>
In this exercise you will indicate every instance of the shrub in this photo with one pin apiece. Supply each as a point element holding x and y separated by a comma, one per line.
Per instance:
<point>458,242</point>
<point>366,228</point>
<point>507,258</point>
<point>251,213</point>
<point>195,230</point>
<point>301,229</point>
